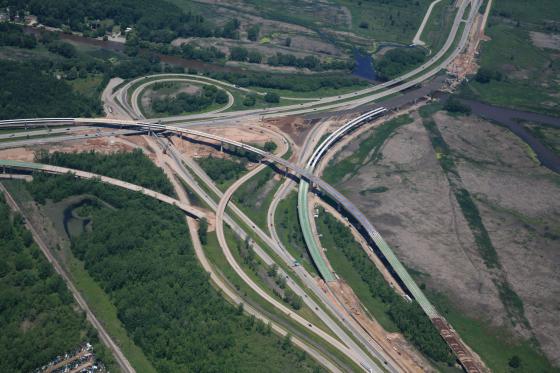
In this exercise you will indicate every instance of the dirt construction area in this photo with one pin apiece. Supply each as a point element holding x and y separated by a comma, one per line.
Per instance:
<point>418,215</point>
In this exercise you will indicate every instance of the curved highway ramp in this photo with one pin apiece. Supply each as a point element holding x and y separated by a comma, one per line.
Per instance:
<point>30,166</point>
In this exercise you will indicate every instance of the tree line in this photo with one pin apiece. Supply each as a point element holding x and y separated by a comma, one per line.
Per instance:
<point>141,255</point>
<point>287,59</point>
<point>289,82</point>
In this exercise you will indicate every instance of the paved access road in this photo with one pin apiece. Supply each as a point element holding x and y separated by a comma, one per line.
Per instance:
<point>416,40</point>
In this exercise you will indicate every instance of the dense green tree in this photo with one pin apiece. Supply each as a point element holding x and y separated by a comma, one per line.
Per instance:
<point>238,54</point>
<point>397,61</point>
<point>203,231</point>
<point>292,82</point>
<point>195,52</point>
<point>255,56</point>
<point>140,253</point>
<point>26,92</point>
<point>13,36</point>
<point>250,100</point>
<point>156,21</point>
<point>231,29</point>
<point>253,32</point>
<point>270,146</point>
<point>38,316</point>
<point>64,49</point>
<point>485,75</point>
<point>453,105</point>
<point>514,362</point>
<point>272,97</point>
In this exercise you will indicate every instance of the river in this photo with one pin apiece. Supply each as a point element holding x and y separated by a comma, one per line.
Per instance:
<point>513,120</point>
<point>364,66</point>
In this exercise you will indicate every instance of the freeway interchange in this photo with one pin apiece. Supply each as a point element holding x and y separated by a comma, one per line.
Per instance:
<point>345,334</point>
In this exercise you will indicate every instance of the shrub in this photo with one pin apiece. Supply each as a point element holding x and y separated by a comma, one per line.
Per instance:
<point>272,98</point>
<point>455,106</point>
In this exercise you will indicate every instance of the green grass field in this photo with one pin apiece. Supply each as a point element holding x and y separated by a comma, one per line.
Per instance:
<point>87,86</point>
<point>526,67</point>
<point>395,21</point>
<point>437,29</point>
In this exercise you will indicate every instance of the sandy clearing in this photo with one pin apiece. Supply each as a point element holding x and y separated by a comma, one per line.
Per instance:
<point>542,40</point>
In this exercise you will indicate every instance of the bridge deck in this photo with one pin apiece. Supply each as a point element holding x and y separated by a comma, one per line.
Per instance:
<point>104,179</point>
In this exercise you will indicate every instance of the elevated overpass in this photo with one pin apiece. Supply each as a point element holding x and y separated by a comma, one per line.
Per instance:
<point>303,173</point>
<point>303,201</point>
<point>364,225</point>
<point>30,166</point>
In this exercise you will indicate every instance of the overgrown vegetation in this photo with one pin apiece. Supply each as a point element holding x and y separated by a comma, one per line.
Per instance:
<point>222,170</point>
<point>255,196</point>
<point>293,82</point>
<point>289,231</point>
<point>516,60</point>
<point>188,103</point>
<point>399,61</point>
<point>407,316</point>
<point>38,316</point>
<point>141,255</point>
<point>453,105</point>
<point>267,274</point>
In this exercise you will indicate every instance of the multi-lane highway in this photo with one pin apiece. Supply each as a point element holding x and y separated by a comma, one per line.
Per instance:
<point>440,60</point>
<point>288,260</point>
<point>311,240</point>
<point>358,217</point>
<point>361,353</point>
